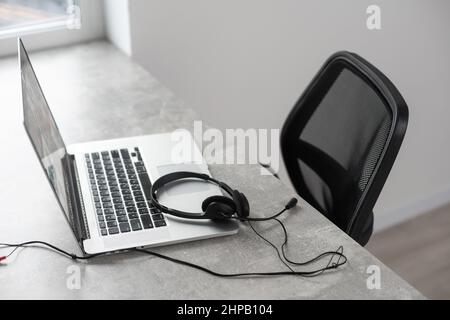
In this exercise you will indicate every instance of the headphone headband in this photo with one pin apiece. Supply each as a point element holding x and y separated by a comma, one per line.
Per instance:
<point>175,176</point>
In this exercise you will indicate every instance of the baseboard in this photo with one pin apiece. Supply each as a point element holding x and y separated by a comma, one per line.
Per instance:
<point>389,218</point>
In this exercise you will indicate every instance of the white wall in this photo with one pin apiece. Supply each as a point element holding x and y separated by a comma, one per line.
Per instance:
<point>245,63</point>
<point>117,22</point>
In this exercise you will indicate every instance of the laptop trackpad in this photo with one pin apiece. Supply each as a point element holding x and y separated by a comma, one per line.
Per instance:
<point>185,186</point>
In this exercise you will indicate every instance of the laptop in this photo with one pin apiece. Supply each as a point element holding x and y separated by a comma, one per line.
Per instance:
<point>103,187</point>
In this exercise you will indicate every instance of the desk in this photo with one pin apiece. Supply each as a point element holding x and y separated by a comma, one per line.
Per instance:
<point>105,95</point>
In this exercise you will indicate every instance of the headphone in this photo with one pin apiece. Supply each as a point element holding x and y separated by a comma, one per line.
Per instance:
<point>235,206</point>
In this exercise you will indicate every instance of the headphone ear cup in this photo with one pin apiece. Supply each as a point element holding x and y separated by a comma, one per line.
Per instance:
<point>219,211</point>
<point>219,199</point>
<point>242,205</point>
<point>245,206</point>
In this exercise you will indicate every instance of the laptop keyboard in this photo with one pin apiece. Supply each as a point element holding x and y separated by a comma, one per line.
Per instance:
<point>121,191</point>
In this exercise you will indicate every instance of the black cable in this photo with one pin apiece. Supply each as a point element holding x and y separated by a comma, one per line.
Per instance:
<point>291,204</point>
<point>338,252</point>
<point>272,245</point>
<point>61,251</point>
<point>235,275</point>
<point>185,263</point>
<point>327,253</point>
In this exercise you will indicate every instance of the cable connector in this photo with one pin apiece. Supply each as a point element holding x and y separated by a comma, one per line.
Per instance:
<point>3,258</point>
<point>291,204</point>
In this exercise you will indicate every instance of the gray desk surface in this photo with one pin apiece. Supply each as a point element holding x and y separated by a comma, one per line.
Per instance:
<point>98,93</point>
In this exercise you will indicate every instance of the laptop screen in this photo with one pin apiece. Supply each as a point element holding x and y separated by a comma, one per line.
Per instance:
<point>43,131</point>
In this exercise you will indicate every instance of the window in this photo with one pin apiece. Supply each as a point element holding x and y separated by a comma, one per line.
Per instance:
<point>48,23</point>
<point>24,16</point>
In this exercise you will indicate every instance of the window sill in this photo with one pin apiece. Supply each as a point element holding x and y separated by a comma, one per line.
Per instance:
<point>16,31</point>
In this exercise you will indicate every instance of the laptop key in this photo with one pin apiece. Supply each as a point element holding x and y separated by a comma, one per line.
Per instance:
<point>135,225</point>
<point>160,223</point>
<point>143,211</point>
<point>111,224</point>
<point>122,218</point>
<point>141,170</point>
<point>146,221</point>
<point>108,211</point>
<point>131,210</point>
<point>158,217</point>
<point>146,184</point>
<point>110,217</point>
<point>113,231</point>
<point>115,154</point>
<point>121,212</point>
<point>141,205</point>
<point>104,232</point>
<point>124,227</point>
<point>155,211</point>
<point>102,225</point>
<point>133,216</point>
<point>125,153</point>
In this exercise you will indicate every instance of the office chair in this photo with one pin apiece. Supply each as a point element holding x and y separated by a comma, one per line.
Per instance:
<point>341,139</point>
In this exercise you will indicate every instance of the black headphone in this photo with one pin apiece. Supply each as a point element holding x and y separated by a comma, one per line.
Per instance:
<point>215,207</point>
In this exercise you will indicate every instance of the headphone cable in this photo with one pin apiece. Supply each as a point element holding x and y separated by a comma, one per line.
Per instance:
<point>330,266</point>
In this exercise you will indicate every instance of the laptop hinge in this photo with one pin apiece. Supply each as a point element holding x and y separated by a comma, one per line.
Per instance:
<point>78,213</point>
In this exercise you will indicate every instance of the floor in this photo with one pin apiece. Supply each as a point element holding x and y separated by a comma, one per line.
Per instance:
<point>419,251</point>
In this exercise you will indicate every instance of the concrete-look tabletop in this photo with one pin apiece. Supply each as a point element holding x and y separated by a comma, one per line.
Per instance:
<point>96,93</point>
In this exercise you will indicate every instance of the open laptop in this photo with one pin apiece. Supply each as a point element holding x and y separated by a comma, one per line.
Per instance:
<point>103,187</point>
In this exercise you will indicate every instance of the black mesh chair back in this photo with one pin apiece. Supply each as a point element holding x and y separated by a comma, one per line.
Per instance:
<point>341,139</point>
